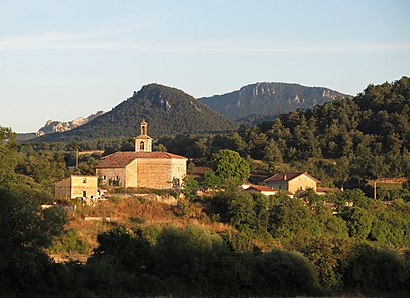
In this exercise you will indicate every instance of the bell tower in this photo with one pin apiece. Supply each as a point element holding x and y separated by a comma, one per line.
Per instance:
<point>143,142</point>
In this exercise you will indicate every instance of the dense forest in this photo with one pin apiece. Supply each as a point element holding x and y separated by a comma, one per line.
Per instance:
<point>224,241</point>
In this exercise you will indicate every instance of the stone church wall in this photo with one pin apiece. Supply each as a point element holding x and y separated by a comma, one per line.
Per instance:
<point>132,174</point>
<point>154,173</point>
<point>112,174</point>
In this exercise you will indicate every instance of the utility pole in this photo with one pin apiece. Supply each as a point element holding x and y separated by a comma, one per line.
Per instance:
<point>374,190</point>
<point>76,158</point>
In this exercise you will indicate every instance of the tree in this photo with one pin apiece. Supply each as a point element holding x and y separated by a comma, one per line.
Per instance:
<point>8,154</point>
<point>241,210</point>
<point>25,230</point>
<point>229,165</point>
<point>283,273</point>
<point>191,186</point>
<point>359,222</point>
<point>373,270</point>
<point>272,152</point>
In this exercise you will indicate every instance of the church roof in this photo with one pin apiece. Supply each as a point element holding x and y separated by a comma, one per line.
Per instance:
<point>122,159</point>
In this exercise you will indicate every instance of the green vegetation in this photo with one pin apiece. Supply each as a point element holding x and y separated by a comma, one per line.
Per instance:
<point>228,165</point>
<point>218,240</point>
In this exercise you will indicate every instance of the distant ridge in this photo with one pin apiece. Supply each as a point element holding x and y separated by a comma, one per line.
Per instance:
<point>167,110</point>
<point>264,100</point>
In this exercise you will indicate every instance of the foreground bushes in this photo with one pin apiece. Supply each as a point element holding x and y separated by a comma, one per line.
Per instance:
<point>195,261</point>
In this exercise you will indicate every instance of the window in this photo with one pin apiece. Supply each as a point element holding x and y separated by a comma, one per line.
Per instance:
<point>142,145</point>
<point>300,187</point>
<point>143,130</point>
<point>84,180</point>
<point>104,177</point>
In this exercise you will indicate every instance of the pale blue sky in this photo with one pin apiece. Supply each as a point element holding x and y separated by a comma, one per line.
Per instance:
<point>64,59</point>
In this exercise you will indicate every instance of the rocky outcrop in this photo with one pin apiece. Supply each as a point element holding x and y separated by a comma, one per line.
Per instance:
<point>58,126</point>
<point>265,99</point>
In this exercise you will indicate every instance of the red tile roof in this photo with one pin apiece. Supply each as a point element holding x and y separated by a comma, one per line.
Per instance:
<point>122,159</point>
<point>289,176</point>
<point>262,188</point>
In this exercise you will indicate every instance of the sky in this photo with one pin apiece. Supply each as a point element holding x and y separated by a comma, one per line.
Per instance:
<point>64,59</point>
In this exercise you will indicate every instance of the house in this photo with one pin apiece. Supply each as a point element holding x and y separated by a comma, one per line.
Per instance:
<point>142,168</point>
<point>77,186</point>
<point>292,182</point>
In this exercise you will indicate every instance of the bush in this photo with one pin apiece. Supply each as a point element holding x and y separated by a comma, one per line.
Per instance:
<point>283,273</point>
<point>373,270</point>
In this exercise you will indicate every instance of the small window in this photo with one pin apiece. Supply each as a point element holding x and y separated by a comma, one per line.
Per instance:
<point>84,180</point>
<point>104,177</point>
<point>142,145</point>
<point>179,169</point>
<point>301,187</point>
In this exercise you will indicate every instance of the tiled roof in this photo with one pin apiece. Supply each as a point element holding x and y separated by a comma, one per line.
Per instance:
<point>122,159</point>
<point>262,188</point>
<point>288,177</point>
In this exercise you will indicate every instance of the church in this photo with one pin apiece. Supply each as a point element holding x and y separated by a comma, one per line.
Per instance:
<point>142,168</point>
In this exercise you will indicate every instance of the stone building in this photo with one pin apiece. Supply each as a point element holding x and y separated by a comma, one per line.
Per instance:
<point>292,182</point>
<point>77,186</point>
<point>142,168</point>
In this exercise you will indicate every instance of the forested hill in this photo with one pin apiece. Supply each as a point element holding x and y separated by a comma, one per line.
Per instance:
<point>167,111</point>
<point>260,100</point>
<point>368,135</point>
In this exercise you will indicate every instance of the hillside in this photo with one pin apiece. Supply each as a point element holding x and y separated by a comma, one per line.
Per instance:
<point>261,100</point>
<point>167,110</point>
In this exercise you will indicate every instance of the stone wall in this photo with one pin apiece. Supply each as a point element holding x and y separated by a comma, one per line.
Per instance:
<point>132,174</point>
<point>154,173</point>
<point>303,182</point>
<point>113,174</point>
<point>279,185</point>
<point>62,189</point>
<point>75,186</point>
<point>81,184</point>
<point>178,170</point>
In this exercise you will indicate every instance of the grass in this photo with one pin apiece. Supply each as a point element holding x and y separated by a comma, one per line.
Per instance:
<point>124,210</point>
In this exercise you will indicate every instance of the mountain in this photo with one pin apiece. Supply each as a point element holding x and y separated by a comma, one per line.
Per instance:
<point>167,111</point>
<point>58,126</point>
<point>263,100</point>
